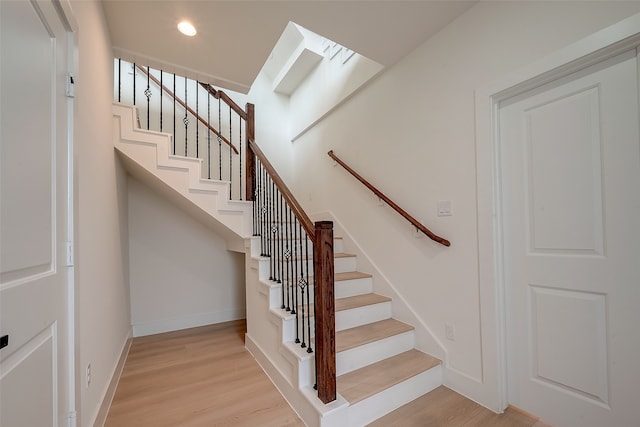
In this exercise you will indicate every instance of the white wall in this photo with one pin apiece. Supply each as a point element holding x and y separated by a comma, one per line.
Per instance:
<point>102,299</point>
<point>412,133</point>
<point>181,273</point>
<point>272,125</point>
<point>332,81</point>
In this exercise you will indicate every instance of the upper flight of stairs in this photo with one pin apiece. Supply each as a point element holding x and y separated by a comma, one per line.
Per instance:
<point>378,367</point>
<point>147,156</point>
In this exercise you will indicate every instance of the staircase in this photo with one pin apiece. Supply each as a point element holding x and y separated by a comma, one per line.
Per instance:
<point>147,156</point>
<point>378,367</point>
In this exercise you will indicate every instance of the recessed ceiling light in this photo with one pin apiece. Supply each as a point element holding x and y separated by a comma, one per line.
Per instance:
<point>187,28</point>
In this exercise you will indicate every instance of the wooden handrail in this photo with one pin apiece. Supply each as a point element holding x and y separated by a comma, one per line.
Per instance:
<point>189,109</point>
<point>286,193</point>
<point>218,94</point>
<point>390,202</point>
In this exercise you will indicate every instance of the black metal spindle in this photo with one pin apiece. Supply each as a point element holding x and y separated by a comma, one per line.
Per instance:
<point>147,93</point>
<point>304,284</point>
<point>277,224</point>
<point>272,230</point>
<point>296,255</point>
<point>264,230</point>
<point>255,204</point>
<point>283,242</point>
<point>161,91</point>
<point>230,156</point>
<point>197,123</point>
<point>186,119</point>
<point>309,350</point>
<point>209,136</point>
<point>220,139</point>
<point>134,83</point>
<point>119,78</point>
<point>287,266</point>
<point>240,157</point>
<point>174,114</point>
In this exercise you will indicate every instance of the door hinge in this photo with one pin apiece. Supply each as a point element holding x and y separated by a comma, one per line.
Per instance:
<point>69,254</point>
<point>70,86</point>
<point>71,418</point>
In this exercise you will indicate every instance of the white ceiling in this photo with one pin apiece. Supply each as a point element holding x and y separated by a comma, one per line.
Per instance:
<point>236,37</point>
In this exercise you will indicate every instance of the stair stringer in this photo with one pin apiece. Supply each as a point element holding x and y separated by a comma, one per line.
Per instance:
<point>268,337</point>
<point>147,156</point>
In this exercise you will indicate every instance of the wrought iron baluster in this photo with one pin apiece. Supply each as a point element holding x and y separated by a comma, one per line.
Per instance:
<point>161,91</point>
<point>272,230</point>
<point>296,256</point>
<point>119,78</point>
<point>134,83</point>
<point>174,114</point>
<point>208,136</point>
<point>230,156</point>
<point>283,269</point>
<point>264,230</point>
<point>303,283</point>
<point>186,119</point>
<point>147,93</point>
<point>197,124</point>
<point>220,138</point>
<point>240,157</point>
<point>278,273</point>
<point>290,277</point>
<point>313,249</point>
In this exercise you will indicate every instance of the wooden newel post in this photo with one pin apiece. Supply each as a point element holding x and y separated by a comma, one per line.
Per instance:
<point>325,312</point>
<point>250,170</point>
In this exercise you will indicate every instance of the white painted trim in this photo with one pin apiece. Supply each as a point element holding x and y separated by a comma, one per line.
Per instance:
<point>189,321</point>
<point>110,393</point>
<point>604,44</point>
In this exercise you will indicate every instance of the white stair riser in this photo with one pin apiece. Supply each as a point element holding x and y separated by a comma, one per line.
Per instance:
<point>359,316</point>
<point>353,287</point>
<point>345,264</point>
<point>359,357</point>
<point>380,404</point>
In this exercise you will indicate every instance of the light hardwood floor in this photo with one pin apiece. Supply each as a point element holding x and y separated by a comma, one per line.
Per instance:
<point>194,378</point>
<point>205,377</point>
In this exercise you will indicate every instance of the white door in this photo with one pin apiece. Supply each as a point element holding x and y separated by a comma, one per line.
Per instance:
<point>33,216</point>
<point>570,166</point>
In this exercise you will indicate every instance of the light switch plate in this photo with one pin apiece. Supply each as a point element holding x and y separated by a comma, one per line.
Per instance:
<point>444,208</point>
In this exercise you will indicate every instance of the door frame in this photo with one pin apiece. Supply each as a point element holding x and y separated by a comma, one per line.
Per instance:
<point>602,45</point>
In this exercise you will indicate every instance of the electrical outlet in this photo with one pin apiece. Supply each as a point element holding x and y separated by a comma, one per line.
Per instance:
<point>88,375</point>
<point>449,332</point>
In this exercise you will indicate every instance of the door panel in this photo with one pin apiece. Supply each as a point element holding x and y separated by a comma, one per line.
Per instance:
<point>570,166</point>
<point>33,215</point>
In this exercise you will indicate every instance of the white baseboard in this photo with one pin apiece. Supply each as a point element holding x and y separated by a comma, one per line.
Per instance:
<point>101,418</point>
<point>190,321</point>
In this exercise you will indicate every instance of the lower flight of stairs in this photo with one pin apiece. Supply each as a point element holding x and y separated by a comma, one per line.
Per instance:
<point>378,367</point>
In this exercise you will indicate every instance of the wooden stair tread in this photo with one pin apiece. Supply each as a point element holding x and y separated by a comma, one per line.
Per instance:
<point>348,303</point>
<point>365,334</point>
<point>343,255</point>
<point>351,275</point>
<point>359,301</point>
<point>365,382</point>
